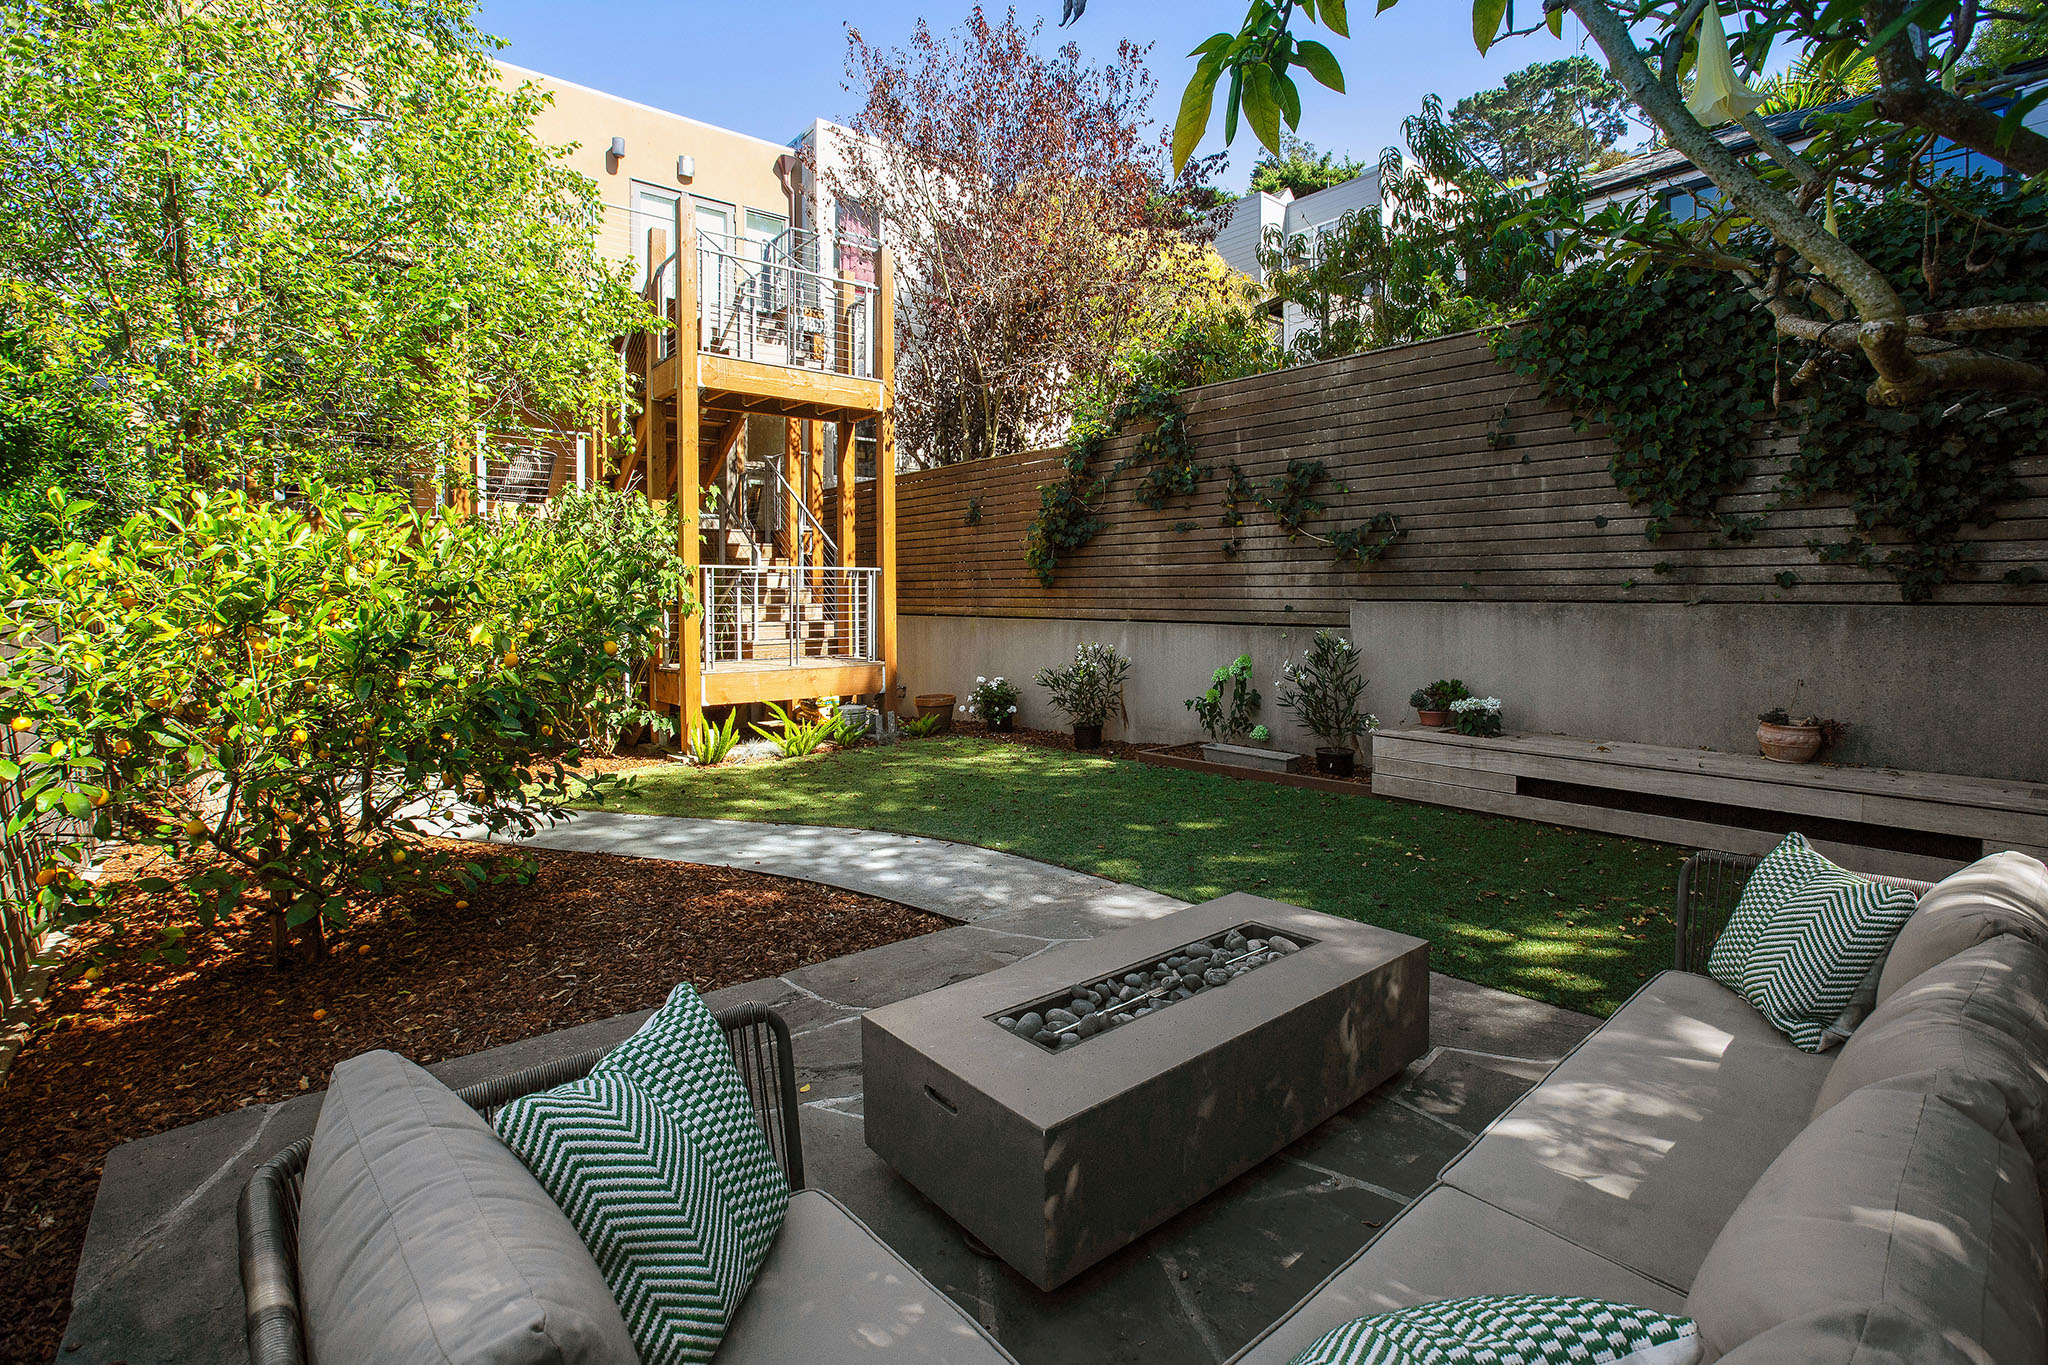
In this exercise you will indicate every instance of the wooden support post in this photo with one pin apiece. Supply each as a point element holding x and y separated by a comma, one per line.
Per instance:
<point>689,495</point>
<point>885,466</point>
<point>791,531</point>
<point>849,553</point>
<point>814,494</point>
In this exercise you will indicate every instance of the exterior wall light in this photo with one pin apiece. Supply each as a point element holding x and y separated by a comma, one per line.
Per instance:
<point>686,168</point>
<point>618,148</point>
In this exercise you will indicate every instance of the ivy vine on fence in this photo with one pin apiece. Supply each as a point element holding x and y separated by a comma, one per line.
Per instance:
<point>1683,369</point>
<point>1067,518</point>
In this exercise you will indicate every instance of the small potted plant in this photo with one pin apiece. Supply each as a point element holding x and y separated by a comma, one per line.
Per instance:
<point>1433,703</point>
<point>939,704</point>
<point>1782,739</point>
<point>1321,693</point>
<point>994,703</point>
<point>1476,716</point>
<point>1231,720</point>
<point>1089,690</point>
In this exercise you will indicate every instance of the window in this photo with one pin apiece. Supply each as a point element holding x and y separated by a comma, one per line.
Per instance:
<point>1686,203</point>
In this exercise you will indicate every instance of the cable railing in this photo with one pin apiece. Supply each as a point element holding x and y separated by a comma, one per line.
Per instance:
<point>782,300</point>
<point>781,616</point>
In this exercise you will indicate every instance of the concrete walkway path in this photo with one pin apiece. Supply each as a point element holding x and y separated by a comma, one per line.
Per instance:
<point>158,1279</point>
<point>978,886</point>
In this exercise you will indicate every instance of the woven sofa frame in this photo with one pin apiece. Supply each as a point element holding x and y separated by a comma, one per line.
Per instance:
<point>269,1214</point>
<point>1709,885</point>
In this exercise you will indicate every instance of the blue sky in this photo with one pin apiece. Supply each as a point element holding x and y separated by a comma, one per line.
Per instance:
<point>768,69</point>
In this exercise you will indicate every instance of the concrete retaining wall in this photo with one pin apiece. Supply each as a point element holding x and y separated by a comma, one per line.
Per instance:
<point>1953,689</point>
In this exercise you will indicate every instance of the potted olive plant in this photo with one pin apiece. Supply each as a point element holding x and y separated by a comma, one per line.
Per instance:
<point>1321,693</point>
<point>1089,690</point>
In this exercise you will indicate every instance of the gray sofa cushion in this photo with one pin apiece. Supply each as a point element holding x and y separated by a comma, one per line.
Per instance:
<point>1867,1335</point>
<point>1644,1139</point>
<point>1982,1014</point>
<point>1891,1197</point>
<point>2002,893</point>
<point>1448,1245</point>
<point>831,1291</point>
<point>423,1240</point>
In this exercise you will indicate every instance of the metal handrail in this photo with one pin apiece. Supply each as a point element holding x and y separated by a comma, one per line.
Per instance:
<point>807,521</point>
<point>772,302</point>
<point>744,604</point>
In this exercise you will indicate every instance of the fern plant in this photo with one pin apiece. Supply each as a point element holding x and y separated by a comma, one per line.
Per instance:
<point>712,743</point>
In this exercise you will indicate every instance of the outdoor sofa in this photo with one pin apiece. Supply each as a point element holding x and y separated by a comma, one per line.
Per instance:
<point>1875,1204</point>
<point>1871,1205</point>
<point>829,1290</point>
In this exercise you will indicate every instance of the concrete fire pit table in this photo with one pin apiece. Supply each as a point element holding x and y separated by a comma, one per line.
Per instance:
<point>1057,1152</point>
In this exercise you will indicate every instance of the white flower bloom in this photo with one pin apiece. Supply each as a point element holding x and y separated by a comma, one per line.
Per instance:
<point>1013,710</point>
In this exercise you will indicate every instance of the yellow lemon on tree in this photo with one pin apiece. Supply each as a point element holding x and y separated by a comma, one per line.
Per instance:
<point>611,647</point>
<point>58,748</point>
<point>44,876</point>
<point>195,829</point>
<point>397,855</point>
<point>299,736</point>
<point>20,723</point>
<point>101,796</point>
<point>206,651</point>
<point>122,748</point>
<point>511,657</point>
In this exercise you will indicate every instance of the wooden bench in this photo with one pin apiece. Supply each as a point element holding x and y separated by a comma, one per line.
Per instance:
<point>1875,819</point>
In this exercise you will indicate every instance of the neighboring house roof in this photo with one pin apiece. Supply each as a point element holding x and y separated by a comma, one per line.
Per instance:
<point>1792,127</point>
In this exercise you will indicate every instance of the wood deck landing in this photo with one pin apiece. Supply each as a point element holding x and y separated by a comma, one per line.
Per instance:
<point>1873,819</point>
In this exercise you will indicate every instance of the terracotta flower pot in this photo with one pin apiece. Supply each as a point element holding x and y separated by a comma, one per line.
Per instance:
<point>1336,762</point>
<point>1788,743</point>
<point>1435,720</point>
<point>1087,736</point>
<point>938,704</point>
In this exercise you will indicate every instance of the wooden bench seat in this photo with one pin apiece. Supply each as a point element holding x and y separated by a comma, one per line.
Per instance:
<point>1876,819</point>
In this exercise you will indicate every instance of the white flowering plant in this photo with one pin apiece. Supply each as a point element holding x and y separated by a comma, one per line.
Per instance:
<point>993,700</point>
<point>1478,716</point>
<point>1322,692</point>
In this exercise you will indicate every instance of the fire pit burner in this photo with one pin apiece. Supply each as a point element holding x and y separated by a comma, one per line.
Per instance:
<point>1063,1020</point>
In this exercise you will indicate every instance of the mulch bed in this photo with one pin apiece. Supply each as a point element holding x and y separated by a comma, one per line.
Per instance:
<point>146,1046</point>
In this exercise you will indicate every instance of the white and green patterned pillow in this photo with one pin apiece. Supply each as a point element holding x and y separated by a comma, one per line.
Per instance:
<point>680,1057</point>
<point>1803,937</point>
<point>644,1196</point>
<point>1510,1329</point>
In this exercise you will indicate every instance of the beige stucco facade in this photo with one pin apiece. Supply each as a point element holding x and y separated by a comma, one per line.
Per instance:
<point>728,172</point>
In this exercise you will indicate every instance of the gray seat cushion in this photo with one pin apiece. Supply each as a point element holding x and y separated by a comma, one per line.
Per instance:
<point>1892,1197</point>
<point>2001,893</point>
<point>422,1239</point>
<point>1868,1335</point>
<point>1982,1014</point>
<point>1643,1140</point>
<point>831,1290</point>
<point>1448,1245</point>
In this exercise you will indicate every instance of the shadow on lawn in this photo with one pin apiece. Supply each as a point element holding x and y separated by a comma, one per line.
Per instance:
<point>1565,916</point>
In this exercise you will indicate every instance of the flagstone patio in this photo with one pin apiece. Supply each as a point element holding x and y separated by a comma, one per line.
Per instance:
<point>158,1280</point>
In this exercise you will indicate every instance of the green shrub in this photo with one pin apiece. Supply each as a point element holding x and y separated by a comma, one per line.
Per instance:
<point>1226,722</point>
<point>711,743</point>
<point>792,737</point>
<point>1091,689</point>
<point>298,695</point>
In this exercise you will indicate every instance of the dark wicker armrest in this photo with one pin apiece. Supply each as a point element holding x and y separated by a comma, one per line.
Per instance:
<point>1709,885</point>
<point>268,1219</point>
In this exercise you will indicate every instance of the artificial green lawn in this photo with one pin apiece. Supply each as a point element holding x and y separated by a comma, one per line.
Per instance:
<point>1572,918</point>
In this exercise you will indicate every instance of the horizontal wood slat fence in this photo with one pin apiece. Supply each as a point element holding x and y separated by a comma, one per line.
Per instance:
<point>1406,430</point>
<point>22,854</point>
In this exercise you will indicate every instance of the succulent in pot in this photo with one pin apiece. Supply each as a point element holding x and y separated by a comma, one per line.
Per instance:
<point>1784,739</point>
<point>1089,690</point>
<point>1322,692</point>
<point>1433,703</point>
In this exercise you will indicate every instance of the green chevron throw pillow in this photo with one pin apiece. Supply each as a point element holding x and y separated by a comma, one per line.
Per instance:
<point>679,1058</point>
<point>1803,937</point>
<point>1521,1329</point>
<point>644,1196</point>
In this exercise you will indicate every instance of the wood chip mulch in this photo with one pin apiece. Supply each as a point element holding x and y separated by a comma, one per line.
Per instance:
<point>148,1046</point>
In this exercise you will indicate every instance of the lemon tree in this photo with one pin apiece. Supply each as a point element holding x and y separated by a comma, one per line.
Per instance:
<point>291,698</point>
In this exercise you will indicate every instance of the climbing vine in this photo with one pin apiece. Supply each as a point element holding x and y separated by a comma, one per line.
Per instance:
<point>1681,369</point>
<point>1291,498</point>
<point>1066,518</point>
